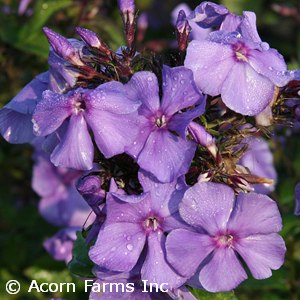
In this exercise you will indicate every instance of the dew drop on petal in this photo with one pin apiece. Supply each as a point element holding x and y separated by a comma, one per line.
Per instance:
<point>129,247</point>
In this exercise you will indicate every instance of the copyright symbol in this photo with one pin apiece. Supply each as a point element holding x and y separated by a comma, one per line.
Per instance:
<point>12,287</point>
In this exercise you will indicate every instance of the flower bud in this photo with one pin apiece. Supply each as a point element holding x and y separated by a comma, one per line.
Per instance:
<point>127,8</point>
<point>183,30</point>
<point>90,189</point>
<point>62,47</point>
<point>203,138</point>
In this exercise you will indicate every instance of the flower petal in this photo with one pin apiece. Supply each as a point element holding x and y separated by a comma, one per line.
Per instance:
<point>65,207</point>
<point>155,268</point>
<point>223,272</point>
<point>15,127</point>
<point>60,245</point>
<point>254,214</point>
<point>143,86</point>
<point>111,97</point>
<point>165,197</point>
<point>50,112</point>
<point>270,64</point>
<point>248,27</point>
<point>179,122</point>
<point>259,160</point>
<point>245,91</point>
<point>211,63</point>
<point>45,179</point>
<point>25,101</point>
<point>208,14</point>
<point>207,205</point>
<point>124,212</point>
<point>121,252</point>
<point>262,253</point>
<point>166,156</point>
<point>145,128</point>
<point>186,250</point>
<point>112,132</point>
<point>179,90</point>
<point>76,150</point>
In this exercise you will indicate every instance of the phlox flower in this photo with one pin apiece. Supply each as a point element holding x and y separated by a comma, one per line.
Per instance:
<point>106,110</point>
<point>137,224</point>
<point>161,147</point>
<point>223,226</point>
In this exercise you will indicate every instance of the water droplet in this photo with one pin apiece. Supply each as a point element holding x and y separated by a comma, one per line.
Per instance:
<point>113,249</point>
<point>129,247</point>
<point>182,81</point>
<point>126,253</point>
<point>156,262</point>
<point>128,238</point>
<point>150,79</point>
<point>270,68</point>
<point>178,186</point>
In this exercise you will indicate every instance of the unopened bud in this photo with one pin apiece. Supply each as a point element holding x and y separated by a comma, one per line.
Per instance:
<point>127,9</point>
<point>89,37</point>
<point>203,138</point>
<point>62,47</point>
<point>90,189</point>
<point>93,40</point>
<point>183,30</point>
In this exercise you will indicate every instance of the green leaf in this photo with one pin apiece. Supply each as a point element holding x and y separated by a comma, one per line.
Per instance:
<point>42,13</point>
<point>81,265</point>
<point>203,295</point>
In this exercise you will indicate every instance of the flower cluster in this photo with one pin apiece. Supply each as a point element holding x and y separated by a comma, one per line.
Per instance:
<point>176,171</point>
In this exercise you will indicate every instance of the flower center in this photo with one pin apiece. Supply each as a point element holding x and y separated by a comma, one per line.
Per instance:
<point>80,104</point>
<point>225,240</point>
<point>161,121</point>
<point>151,223</point>
<point>240,52</point>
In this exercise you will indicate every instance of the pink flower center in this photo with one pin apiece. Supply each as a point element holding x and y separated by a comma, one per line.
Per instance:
<point>161,121</point>
<point>241,52</point>
<point>79,104</point>
<point>225,240</point>
<point>152,223</point>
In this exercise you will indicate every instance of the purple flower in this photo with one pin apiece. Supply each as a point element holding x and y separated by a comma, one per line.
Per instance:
<point>60,202</point>
<point>136,221</point>
<point>161,146</point>
<point>209,14</point>
<point>223,226</point>
<point>238,69</point>
<point>23,5</point>
<point>60,245</point>
<point>90,37</point>
<point>106,110</point>
<point>15,117</point>
<point>259,160</point>
<point>297,200</point>
<point>197,32</point>
<point>126,6</point>
<point>63,47</point>
<point>89,187</point>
